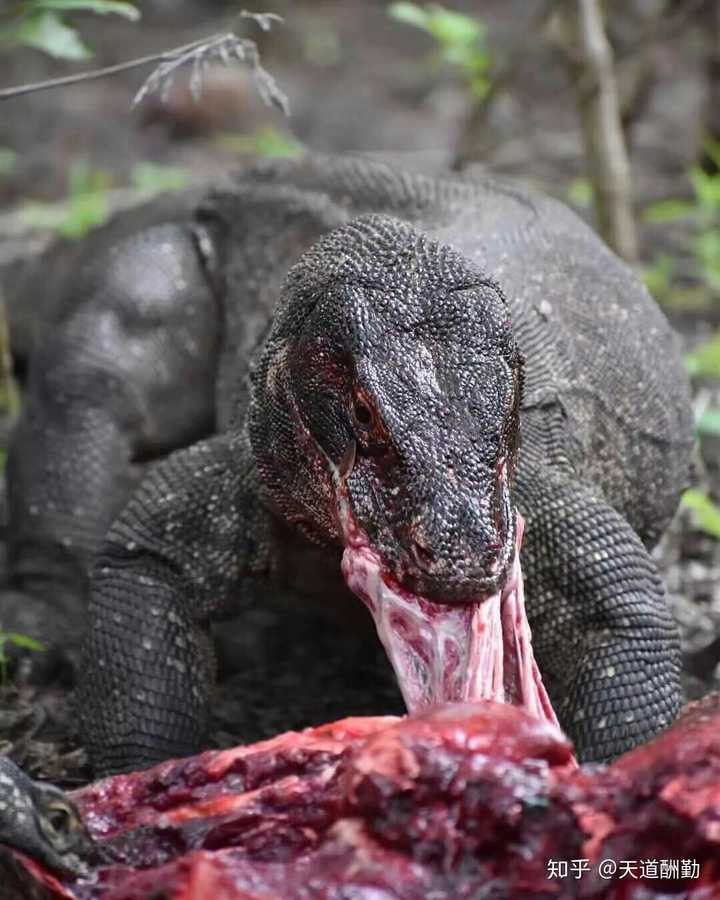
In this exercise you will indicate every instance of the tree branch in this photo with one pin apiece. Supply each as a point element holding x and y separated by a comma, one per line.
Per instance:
<point>226,47</point>
<point>21,89</point>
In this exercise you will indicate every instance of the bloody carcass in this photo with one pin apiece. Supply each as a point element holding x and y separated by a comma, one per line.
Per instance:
<point>468,801</point>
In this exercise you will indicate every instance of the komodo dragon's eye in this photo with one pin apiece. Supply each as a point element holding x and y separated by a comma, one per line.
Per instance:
<point>60,825</point>
<point>370,432</point>
<point>362,411</point>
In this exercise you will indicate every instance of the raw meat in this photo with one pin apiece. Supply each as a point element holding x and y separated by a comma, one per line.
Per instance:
<point>467,801</point>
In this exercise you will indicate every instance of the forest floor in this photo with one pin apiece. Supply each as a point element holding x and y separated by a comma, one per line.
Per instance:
<point>358,83</point>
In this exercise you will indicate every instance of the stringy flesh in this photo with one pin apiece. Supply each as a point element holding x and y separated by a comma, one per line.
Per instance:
<point>444,653</point>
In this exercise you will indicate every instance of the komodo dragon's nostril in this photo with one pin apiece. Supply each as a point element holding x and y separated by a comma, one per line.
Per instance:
<point>423,557</point>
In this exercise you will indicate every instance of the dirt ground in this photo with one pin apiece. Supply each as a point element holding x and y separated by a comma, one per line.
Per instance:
<point>359,83</point>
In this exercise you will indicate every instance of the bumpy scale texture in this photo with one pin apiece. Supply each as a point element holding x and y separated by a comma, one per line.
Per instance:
<point>320,316</point>
<point>38,819</point>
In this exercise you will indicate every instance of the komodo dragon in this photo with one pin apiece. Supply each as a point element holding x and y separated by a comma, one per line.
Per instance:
<point>353,346</point>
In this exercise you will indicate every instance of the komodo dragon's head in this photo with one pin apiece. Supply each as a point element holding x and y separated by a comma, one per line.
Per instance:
<point>41,821</point>
<point>384,418</point>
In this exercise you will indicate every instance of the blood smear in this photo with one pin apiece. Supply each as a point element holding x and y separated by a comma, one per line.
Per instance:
<point>444,653</point>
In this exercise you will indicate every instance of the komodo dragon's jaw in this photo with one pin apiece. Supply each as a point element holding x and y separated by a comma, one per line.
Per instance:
<point>384,417</point>
<point>41,821</point>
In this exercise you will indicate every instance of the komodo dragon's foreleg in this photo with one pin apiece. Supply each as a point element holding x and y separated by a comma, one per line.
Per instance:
<point>181,552</point>
<point>125,374</point>
<point>602,630</point>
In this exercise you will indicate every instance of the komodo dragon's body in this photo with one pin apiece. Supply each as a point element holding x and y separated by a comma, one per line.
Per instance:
<point>374,408</point>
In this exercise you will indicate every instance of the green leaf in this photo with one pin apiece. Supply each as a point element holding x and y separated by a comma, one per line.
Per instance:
<point>44,31</point>
<point>86,211</point>
<point>10,403</point>
<point>709,423</point>
<point>706,513</point>
<point>73,219</point>
<point>712,148</point>
<point>22,640</point>
<point>84,180</point>
<point>707,250</point>
<point>707,189</point>
<point>101,7</point>
<point>658,276</point>
<point>86,207</point>
<point>669,211</point>
<point>459,38</point>
<point>479,86</point>
<point>8,158</point>
<point>705,361</point>
<point>267,142</point>
<point>452,28</point>
<point>154,179</point>
<point>273,143</point>
<point>580,193</point>
<point>454,31</point>
<point>410,13</point>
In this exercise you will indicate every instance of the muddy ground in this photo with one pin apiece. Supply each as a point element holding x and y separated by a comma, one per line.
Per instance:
<point>356,83</point>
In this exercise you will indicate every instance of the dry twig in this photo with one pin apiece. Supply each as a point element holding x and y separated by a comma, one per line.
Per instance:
<point>226,47</point>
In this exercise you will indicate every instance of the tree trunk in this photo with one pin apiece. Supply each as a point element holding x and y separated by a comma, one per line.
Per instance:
<point>712,104</point>
<point>590,61</point>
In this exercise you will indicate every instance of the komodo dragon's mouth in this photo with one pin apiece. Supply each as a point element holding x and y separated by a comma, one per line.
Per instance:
<point>441,653</point>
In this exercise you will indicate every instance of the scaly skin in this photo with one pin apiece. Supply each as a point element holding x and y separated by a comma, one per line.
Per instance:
<point>39,820</point>
<point>395,354</point>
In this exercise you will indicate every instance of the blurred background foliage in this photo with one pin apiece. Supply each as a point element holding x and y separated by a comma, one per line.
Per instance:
<point>461,41</point>
<point>459,84</point>
<point>42,24</point>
